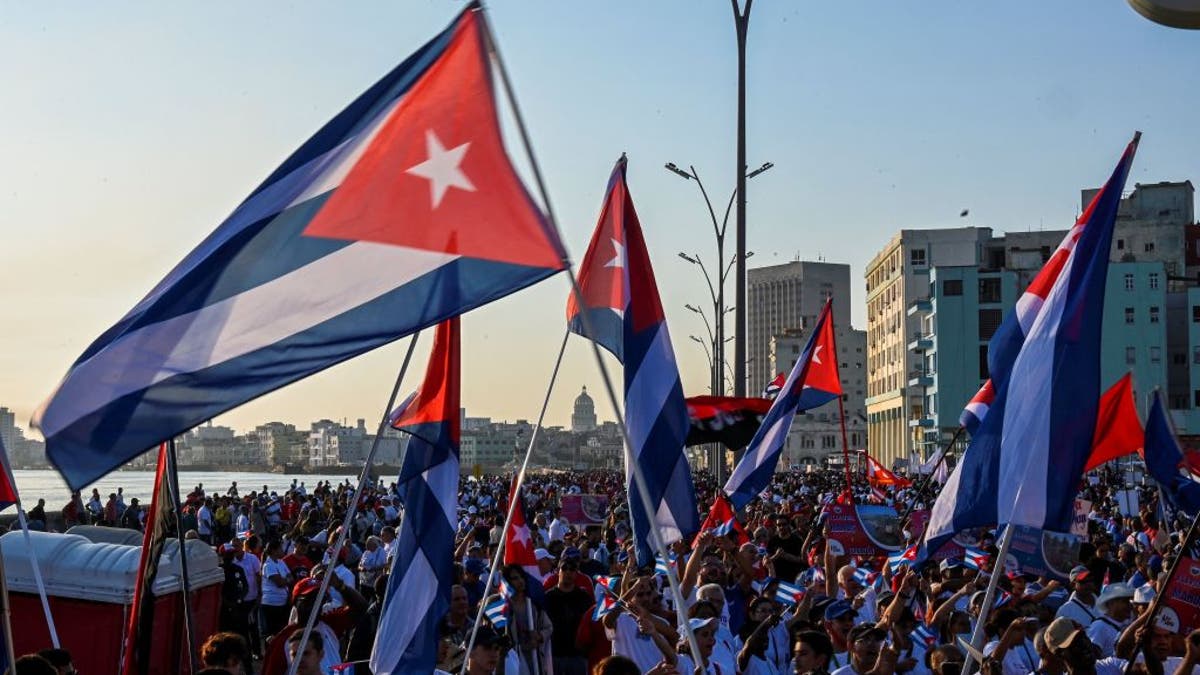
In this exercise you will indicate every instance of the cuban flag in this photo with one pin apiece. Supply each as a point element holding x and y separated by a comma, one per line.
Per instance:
<point>923,635</point>
<point>661,567</point>
<point>1165,462</point>
<point>722,521</point>
<point>905,558</point>
<point>977,408</point>
<point>605,604</point>
<point>813,382</point>
<point>879,476</point>
<point>621,301</point>
<point>519,548</point>
<point>974,558</point>
<point>402,211</point>
<point>496,611</point>
<point>788,594</point>
<point>418,591</point>
<point>813,576</point>
<point>773,387</point>
<point>1025,459</point>
<point>866,577</point>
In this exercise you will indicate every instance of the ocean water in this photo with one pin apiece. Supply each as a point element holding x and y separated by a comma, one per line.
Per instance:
<point>47,484</point>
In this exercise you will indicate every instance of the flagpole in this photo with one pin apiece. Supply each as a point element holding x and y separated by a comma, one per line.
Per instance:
<point>516,491</point>
<point>636,470</point>
<point>536,653</point>
<point>841,404</point>
<point>929,479</point>
<point>185,588</point>
<point>988,598</point>
<point>4,597</point>
<point>352,508</point>
<point>1184,550</point>
<point>37,575</point>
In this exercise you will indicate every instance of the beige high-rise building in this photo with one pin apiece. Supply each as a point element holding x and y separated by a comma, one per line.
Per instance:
<point>897,279</point>
<point>787,297</point>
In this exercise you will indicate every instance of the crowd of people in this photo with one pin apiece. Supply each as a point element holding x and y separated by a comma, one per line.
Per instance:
<point>770,600</point>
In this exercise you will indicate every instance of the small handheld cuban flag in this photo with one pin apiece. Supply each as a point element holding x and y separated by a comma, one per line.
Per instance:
<point>975,558</point>
<point>923,635</point>
<point>789,594</point>
<point>661,567</point>
<point>342,668</point>
<point>497,612</point>
<point>773,387</point>
<point>903,558</point>
<point>506,591</point>
<point>605,604</point>
<point>1002,599</point>
<point>811,576</point>
<point>607,584</point>
<point>866,577</point>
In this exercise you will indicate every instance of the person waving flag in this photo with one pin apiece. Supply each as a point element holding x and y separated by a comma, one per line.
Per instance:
<point>620,304</point>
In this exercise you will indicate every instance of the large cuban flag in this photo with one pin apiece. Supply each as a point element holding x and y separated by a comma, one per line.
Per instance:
<point>813,382</point>
<point>400,212</point>
<point>418,592</point>
<point>1028,453</point>
<point>622,304</point>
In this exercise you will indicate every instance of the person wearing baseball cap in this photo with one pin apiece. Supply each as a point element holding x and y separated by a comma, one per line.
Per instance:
<point>1067,641</point>
<point>1078,607</point>
<point>839,620</point>
<point>868,651</point>
<point>1114,609</point>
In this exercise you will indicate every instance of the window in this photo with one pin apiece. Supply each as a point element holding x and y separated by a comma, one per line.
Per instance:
<point>989,321</point>
<point>1154,314</point>
<point>1120,244</point>
<point>952,287</point>
<point>1196,398</point>
<point>1155,355</point>
<point>983,364</point>
<point>1149,247</point>
<point>1154,280</point>
<point>828,441</point>
<point>1195,313</point>
<point>1129,315</point>
<point>989,290</point>
<point>917,257</point>
<point>1130,356</point>
<point>1129,282</point>
<point>1179,402</point>
<point>1196,355</point>
<point>1179,359</point>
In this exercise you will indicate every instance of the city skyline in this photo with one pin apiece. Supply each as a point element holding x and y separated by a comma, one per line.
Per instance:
<point>138,136</point>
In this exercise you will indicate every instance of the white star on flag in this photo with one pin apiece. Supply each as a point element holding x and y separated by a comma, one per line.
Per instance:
<point>816,357</point>
<point>618,255</point>
<point>521,534</point>
<point>442,168</point>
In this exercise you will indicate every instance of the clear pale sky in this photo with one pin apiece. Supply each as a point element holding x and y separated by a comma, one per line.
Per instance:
<point>132,129</point>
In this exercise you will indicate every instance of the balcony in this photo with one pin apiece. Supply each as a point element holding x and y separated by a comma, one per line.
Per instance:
<point>922,306</point>
<point>922,422</point>
<point>922,343</point>
<point>920,379</point>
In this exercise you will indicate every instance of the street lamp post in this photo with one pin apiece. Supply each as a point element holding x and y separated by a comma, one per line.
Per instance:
<point>741,22</point>
<point>716,291</point>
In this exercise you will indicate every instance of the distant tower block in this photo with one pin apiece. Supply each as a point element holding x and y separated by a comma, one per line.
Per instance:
<point>584,417</point>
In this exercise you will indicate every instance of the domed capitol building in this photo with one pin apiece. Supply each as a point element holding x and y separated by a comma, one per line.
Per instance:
<point>584,417</point>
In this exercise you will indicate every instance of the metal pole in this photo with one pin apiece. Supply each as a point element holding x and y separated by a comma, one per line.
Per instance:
<point>741,21</point>
<point>185,586</point>
<point>352,507</point>
<point>988,599</point>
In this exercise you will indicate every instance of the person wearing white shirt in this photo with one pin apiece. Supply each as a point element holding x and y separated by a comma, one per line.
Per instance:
<point>1114,607</point>
<point>868,651</point>
<point>372,563</point>
<point>639,638</point>
<point>204,522</point>
<point>276,580</point>
<point>1069,642</point>
<point>558,527</point>
<point>705,632</point>
<point>1078,606</point>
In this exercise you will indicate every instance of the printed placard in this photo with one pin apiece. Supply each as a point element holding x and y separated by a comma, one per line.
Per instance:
<point>864,530</point>
<point>1042,552</point>
<point>1183,598</point>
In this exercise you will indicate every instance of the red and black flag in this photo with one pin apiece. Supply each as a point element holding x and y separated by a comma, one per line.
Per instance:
<point>160,518</point>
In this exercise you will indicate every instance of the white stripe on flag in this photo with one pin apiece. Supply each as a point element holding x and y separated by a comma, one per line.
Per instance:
<point>1025,443</point>
<point>650,387</point>
<point>257,318</point>
<point>416,591</point>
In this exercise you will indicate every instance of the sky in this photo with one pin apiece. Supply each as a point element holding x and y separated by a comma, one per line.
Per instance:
<point>130,130</point>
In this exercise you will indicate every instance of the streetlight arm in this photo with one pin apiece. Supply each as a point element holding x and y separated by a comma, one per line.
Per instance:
<point>718,231</point>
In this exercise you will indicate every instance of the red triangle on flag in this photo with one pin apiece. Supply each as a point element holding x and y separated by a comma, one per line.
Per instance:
<point>436,176</point>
